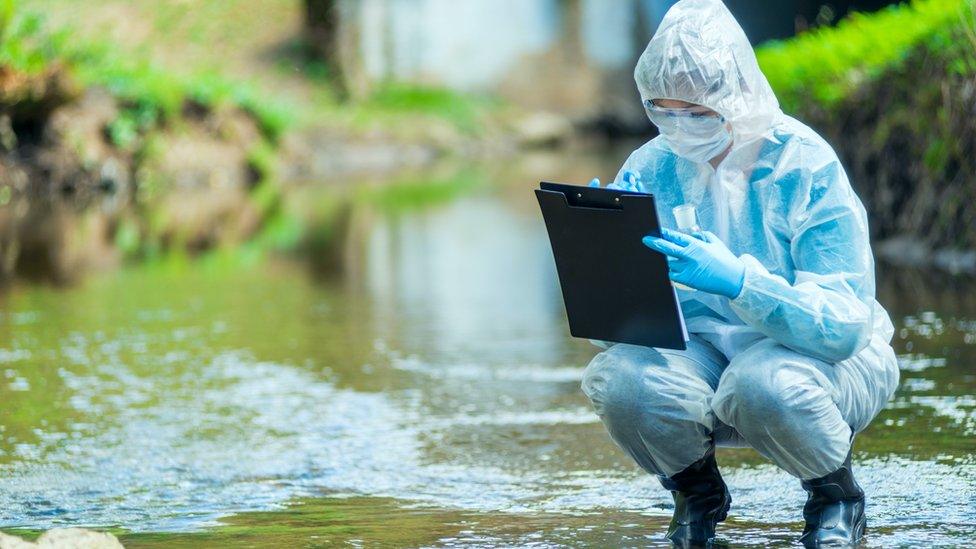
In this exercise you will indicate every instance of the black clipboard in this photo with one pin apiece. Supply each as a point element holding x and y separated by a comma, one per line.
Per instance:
<point>615,288</point>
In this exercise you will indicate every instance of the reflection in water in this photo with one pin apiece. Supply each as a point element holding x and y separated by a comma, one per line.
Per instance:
<point>468,277</point>
<point>434,391</point>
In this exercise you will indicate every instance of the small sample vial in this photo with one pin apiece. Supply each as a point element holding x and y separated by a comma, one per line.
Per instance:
<point>686,217</point>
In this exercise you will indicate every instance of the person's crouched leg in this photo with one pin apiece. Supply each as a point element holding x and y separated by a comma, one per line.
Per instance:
<point>802,413</point>
<point>785,407</point>
<point>656,404</point>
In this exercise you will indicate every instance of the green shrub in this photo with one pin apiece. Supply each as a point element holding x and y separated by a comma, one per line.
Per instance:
<point>23,47</point>
<point>827,64</point>
<point>147,86</point>
<point>151,93</point>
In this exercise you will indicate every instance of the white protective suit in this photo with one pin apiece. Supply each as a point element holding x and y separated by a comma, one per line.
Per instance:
<point>801,359</point>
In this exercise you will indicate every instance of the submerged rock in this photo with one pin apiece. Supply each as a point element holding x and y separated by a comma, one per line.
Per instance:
<point>63,538</point>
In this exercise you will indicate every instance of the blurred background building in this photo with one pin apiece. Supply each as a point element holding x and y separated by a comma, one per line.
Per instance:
<point>569,56</point>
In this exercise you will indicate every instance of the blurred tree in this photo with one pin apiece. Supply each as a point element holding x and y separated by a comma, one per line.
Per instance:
<point>572,30</point>
<point>322,28</point>
<point>771,20</point>
<point>332,34</point>
<point>323,23</point>
<point>817,12</point>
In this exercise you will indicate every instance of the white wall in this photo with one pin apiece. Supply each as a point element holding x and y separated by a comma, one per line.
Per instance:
<point>472,44</point>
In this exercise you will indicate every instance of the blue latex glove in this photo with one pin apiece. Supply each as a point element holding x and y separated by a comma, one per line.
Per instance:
<point>702,262</point>
<point>629,182</point>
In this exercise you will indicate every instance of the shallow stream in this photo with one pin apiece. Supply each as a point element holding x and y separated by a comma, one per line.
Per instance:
<point>426,393</point>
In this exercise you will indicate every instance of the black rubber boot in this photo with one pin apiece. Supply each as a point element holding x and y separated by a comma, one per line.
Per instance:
<point>834,511</point>
<point>701,501</point>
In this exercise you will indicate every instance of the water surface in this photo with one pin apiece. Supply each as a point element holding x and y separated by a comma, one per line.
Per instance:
<point>426,393</point>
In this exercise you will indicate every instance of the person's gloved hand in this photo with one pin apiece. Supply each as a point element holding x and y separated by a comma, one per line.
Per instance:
<point>702,262</point>
<point>629,182</point>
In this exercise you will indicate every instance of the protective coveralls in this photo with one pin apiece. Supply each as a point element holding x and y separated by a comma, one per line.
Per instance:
<point>800,359</point>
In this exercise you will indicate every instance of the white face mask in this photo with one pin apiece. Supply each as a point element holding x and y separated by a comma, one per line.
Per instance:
<point>691,135</point>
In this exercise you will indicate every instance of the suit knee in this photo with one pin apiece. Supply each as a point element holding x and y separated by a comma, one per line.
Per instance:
<point>629,384</point>
<point>626,380</point>
<point>754,393</point>
<point>770,394</point>
<point>654,406</point>
<point>611,381</point>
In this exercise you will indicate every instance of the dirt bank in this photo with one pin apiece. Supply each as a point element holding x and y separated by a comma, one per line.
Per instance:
<point>908,141</point>
<point>75,195</point>
<point>87,179</point>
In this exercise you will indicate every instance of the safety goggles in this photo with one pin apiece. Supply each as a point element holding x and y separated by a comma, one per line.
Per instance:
<point>660,115</point>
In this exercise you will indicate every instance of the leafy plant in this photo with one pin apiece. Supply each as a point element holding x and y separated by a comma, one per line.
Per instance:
<point>150,91</point>
<point>6,16</point>
<point>22,48</point>
<point>827,64</point>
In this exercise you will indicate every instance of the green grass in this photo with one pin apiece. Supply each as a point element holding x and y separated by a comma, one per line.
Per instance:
<point>150,94</point>
<point>150,98</point>
<point>157,92</point>
<point>464,111</point>
<point>228,52</point>
<point>155,95</point>
<point>23,46</point>
<point>826,65</point>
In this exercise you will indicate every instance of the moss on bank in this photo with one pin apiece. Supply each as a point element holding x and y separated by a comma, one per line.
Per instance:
<point>823,67</point>
<point>151,94</point>
<point>895,93</point>
<point>146,160</point>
